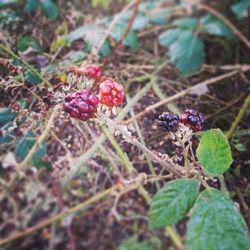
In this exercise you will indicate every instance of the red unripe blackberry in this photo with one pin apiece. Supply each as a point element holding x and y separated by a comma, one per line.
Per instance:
<point>93,71</point>
<point>194,119</point>
<point>81,104</point>
<point>111,93</point>
<point>168,121</point>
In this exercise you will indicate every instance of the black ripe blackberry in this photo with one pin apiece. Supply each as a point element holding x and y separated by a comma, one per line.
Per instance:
<point>194,119</point>
<point>168,121</point>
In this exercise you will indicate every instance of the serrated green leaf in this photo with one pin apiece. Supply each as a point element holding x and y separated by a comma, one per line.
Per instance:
<point>172,202</point>
<point>240,8</point>
<point>216,224</point>
<point>24,145</point>
<point>186,23</point>
<point>214,153</point>
<point>25,42</point>
<point>31,5</point>
<point>187,53</point>
<point>50,8</point>
<point>133,244</point>
<point>213,26</point>
<point>168,37</point>
<point>31,78</point>
<point>6,115</point>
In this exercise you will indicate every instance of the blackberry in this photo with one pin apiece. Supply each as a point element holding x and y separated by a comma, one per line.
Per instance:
<point>194,119</point>
<point>168,121</point>
<point>81,105</point>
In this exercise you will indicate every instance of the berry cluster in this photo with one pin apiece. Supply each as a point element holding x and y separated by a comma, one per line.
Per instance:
<point>169,121</point>
<point>194,119</point>
<point>111,93</point>
<point>83,103</point>
<point>92,71</point>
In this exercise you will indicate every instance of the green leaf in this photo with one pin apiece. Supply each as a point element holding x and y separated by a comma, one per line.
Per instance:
<point>216,224</point>
<point>131,39</point>
<point>186,23</point>
<point>77,56</point>
<point>172,202</point>
<point>160,17</point>
<point>240,8</point>
<point>133,244</point>
<point>6,115</point>
<point>105,50</point>
<point>25,42</point>
<point>50,8</point>
<point>187,53</point>
<point>24,145</point>
<point>31,5</point>
<point>6,139</point>
<point>139,23</point>
<point>214,153</point>
<point>39,154</point>
<point>168,37</point>
<point>214,26</point>
<point>31,78</point>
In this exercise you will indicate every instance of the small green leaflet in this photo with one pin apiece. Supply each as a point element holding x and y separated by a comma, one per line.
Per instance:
<point>25,144</point>
<point>172,202</point>
<point>6,115</point>
<point>240,8</point>
<point>31,77</point>
<point>214,153</point>
<point>186,23</point>
<point>216,224</point>
<point>50,8</point>
<point>213,26</point>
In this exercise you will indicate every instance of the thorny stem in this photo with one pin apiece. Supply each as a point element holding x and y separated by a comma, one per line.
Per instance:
<point>32,69</point>
<point>171,232</point>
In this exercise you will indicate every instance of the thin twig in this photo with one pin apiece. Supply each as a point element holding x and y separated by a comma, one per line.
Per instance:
<point>112,25</point>
<point>238,118</point>
<point>128,28</point>
<point>40,139</point>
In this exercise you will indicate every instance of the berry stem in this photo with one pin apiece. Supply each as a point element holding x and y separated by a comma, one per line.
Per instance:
<point>174,237</point>
<point>124,158</point>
